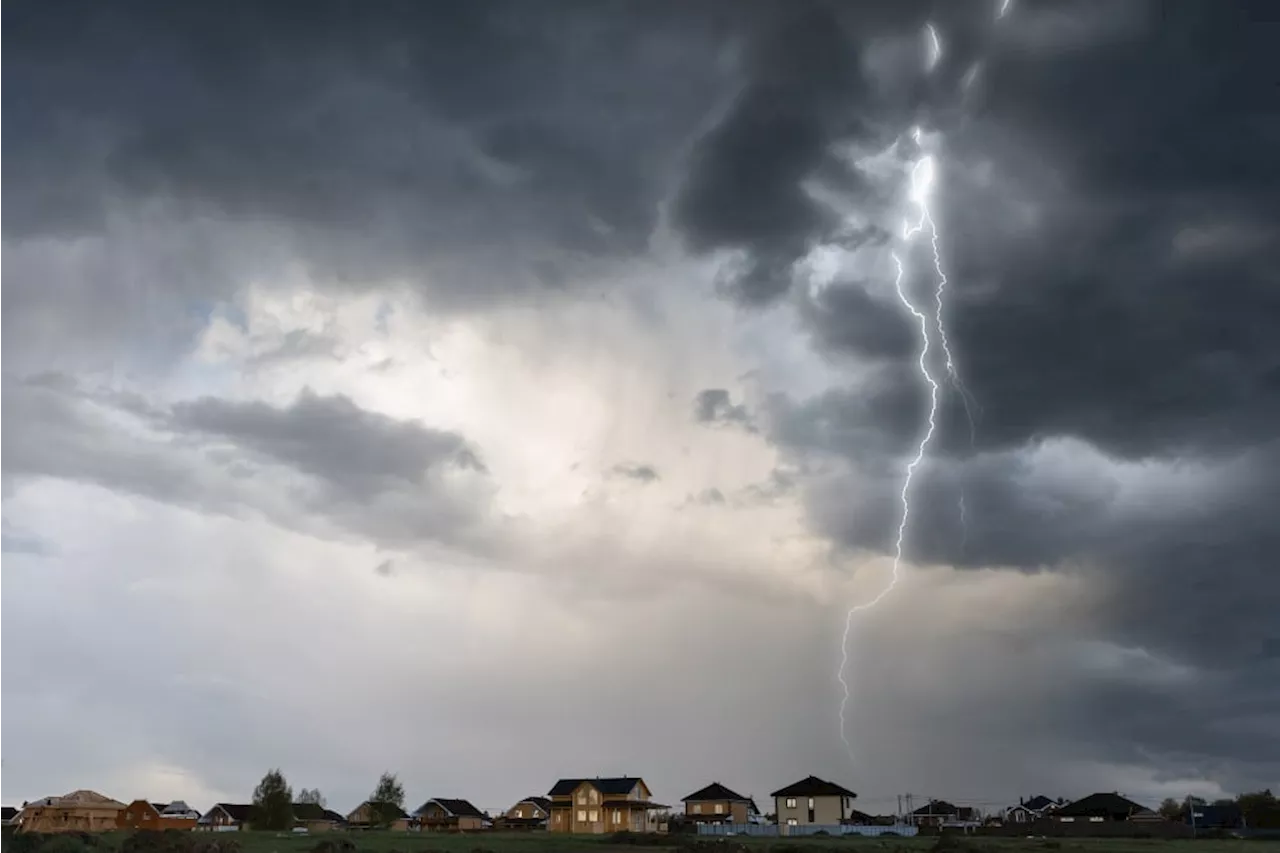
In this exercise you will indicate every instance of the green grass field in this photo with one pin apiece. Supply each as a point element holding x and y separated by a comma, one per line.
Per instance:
<point>487,842</point>
<point>387,842</point>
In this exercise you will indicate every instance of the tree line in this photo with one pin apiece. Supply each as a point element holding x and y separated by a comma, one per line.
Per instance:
<point>1260,809</point>
<point>273,801</point>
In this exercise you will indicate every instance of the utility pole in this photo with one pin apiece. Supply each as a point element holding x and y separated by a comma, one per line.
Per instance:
<point>1191,812</point>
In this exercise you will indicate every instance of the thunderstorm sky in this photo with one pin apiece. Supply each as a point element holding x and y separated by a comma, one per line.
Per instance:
<point>505,391</point>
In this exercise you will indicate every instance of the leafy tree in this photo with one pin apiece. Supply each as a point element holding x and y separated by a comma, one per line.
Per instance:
<point>312,795</point>
<point>389,792</point>
<point>272,803</point>
<point>1170,809</point>
<point>1261,809</point>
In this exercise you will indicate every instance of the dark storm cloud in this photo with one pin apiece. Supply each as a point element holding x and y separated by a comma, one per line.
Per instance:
<point>642,473</point>
<point>1110,226</point>
<point>359,452</point>
<point>744,189</point>
<point>396,481</point>
<point>807,87</point>
<point>163,155</point>
<point>715,406</point>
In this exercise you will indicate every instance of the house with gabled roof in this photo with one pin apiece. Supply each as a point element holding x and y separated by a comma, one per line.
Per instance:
<point>314,817</point>
<point>148,814</point>
<point>529,813</point>
<point>813,801</point>
<point>443,814</point>
<point>602,805</point>
<point>942,813</point>
<point>1102,807</point>
<point>1031,809</point>
<point>370,814</point>
<point>225,817</point>
<point>78,811</point>
<point>718,804</point>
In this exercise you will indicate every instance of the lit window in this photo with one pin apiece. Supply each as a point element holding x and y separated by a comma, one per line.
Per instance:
<point>719,808</point>
<point>557,817</point>
<point>595,816</point>
<point>791,802</point>
<point>811,802</point>
<point>594,796</point>
<point>617,816</point>
<point>792,822</point>
<point>582,797</point>
<point>582,815</point>
<point>697,808</point>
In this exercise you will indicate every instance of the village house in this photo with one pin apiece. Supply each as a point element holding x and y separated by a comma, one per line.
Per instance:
<point>79,811</point>
<point>529,813</point>
<point>314,817</point>
<point>602,805</point>
<point>717,804</point>
<point>942,813</point>
<point>9,815</point>
<point>144,814</point>
<point>371,815</point>
<point>1102,807</point>
<point>441,814</point>
<point>1031,810</point>
<point>225,817</point>
<point>812,801</point>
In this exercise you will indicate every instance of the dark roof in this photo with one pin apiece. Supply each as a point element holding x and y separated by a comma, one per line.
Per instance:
<point>857,817</point>
<point>541,802</point>
<point>812,786</point>
<point>460,808</point>
<point>236,811</point>
<point>315,811</point>
<point>157,806</point>
<point>715,791</point>
<point>606,785</point>
<point>937,807</point>
<point>1103,804</point>
<point>388,810</point>
<point>8,812</point>
<point>1038,802</point>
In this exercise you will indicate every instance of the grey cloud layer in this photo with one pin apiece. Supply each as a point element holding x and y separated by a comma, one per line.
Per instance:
<point>1136,312</point>
<point>1109,208</point>
<point>396,481</point>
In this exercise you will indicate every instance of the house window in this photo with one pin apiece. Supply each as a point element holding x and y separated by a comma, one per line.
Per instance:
<point>557,817</point>
<point>719,808</point>
<point>791,802</point>
<point>792,822</point>
<point>582,815</point>
<point>593,796</point>
<point>617,816</point>
<point>595,816</point>
<point>582,797</point>
<point>811,802</point>
<point>697,808</point>
<point>1020,817</point>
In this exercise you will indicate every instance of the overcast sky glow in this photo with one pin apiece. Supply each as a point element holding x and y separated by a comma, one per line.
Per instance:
<point>505,391</point>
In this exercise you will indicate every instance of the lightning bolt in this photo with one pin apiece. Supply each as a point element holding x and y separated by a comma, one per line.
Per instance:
<point>919,195</point>
<point>922,175</point>
<point>935,47</point>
